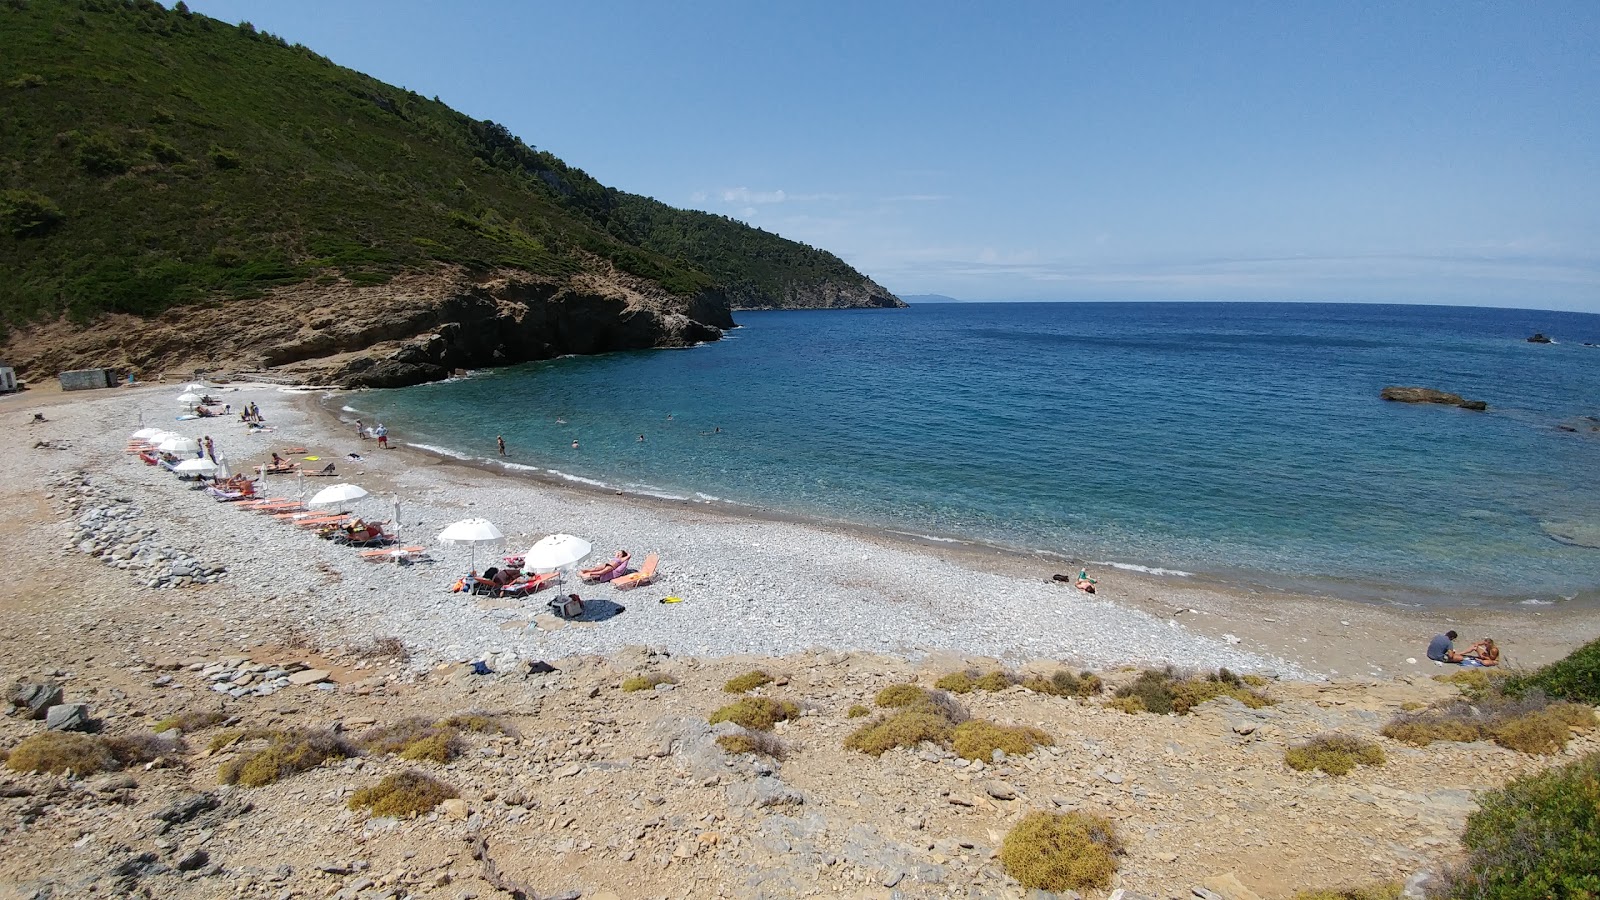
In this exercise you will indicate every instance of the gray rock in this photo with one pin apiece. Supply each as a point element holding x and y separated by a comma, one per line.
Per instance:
<point>1000,790</point>
<point>67,717</point>
<point>34,700</point>
<point>1204,894</point>
<point>192,860</point>
<point>1416,887</point>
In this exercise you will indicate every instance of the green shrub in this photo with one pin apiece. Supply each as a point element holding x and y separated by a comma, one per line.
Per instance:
<point>997,680</point>
<point>287,753</point>
<point>1575,677</point>
<point>192,720</point>
<point>100,154</point>
<point>478,722</point>
<point>856,711</point>
<point>1529,724</point>
<point>1063,683</point>
<point>1537,837</point>
<point>398,736</point>
<point>956,683</point>
<point>896,696</point>
<point>164,152</point>
<point>906,728</point>
<point>749,681</point>
<point>760,742</point>
<point>1050,852</point>
<point>403,794</point>
<point>223,158</point>
<point>1129,705</point>
<point>26,81</point>
<point>1164,691</point>
<point>646,682</point>
<point>978,739</point>
<point>1336,754</point>
<point>443,745</point>
<point>27,214</point>
<point>756,713</point>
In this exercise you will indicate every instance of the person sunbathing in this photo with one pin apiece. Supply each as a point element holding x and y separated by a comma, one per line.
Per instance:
<point>1483,653</point>
<point>609,570</point>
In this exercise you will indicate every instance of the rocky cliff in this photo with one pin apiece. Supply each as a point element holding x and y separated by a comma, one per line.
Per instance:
<point>414,329</point>
<point>833,294</point>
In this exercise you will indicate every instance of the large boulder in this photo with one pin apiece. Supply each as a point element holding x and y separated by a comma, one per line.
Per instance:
<point>1539,338</point>
<point>1429,395</point>
<point>33,701</point>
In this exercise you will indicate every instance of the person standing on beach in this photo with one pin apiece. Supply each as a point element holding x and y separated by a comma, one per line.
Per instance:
<point>501,440</point>
<point>361,430</point>
<point>211,450</point>
<point>382,434</point>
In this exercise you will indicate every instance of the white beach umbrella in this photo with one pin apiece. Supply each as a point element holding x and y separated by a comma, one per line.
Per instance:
<point>145,434</point>
<point>555,552</point>
<point>471,532</point>
<point>189,399</point>
<point>178,445</point>
<point>337,495</point>
<point>197,387</point>
<point>195,467</point>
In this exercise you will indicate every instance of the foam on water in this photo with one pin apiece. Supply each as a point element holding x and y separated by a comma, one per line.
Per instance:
<point>1148,570</point>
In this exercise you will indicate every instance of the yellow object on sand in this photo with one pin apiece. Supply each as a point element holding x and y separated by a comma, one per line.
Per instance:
<point>312,458</point>
<point>671,599</point>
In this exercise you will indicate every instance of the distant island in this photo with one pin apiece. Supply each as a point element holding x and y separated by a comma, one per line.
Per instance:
<point>180,193</point>
<point>914,299</point>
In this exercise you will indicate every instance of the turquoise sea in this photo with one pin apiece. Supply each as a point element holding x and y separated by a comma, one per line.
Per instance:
<point>1244,441</point>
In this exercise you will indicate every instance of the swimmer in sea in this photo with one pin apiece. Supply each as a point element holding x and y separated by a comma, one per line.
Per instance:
<point>560,421</point>
<point>574,445</point>
<point>641,439</point>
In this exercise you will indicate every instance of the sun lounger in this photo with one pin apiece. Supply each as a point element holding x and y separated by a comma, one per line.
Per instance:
<point>395,553</point>
<point>529,585</point>
<point>645,575</point>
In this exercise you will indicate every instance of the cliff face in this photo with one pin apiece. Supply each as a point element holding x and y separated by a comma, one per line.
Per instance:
<point>414,329</point>
<point>832,294</point>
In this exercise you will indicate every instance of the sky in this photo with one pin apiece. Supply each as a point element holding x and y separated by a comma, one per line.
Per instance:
<point>1416,152</point>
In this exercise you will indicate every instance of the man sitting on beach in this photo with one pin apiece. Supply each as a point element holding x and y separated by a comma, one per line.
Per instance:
<point>1441,648</point>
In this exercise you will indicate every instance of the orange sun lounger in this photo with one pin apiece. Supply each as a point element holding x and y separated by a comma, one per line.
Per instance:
<point>645,575</point>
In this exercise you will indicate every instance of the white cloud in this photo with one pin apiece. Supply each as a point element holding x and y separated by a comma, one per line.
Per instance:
<point>747,197</point>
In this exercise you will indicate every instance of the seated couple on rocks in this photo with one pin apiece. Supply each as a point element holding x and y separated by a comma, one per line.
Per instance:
<point>1483,653</point>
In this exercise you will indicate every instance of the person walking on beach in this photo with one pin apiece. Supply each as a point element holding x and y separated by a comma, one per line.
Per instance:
<point>501,440</point>
<point>382,434</point>
<point>361,430</point>
<point>211,450</point>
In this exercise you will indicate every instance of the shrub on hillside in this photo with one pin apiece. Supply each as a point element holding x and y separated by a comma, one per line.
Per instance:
<point>223,158</point>
<point>1050,852</point>
<point>99,154</point>
<point>1336,754</point>
<point>1575,677</point>
<point>1388,891</point>
<point>906,728</point>
<point>902,695</point>
<point>749,681</point>
<point>1063,683</point>
<point>403,794</point>
<point>413,738</point>
<point>756,713</point>
<point>646,682</point>
<point>956,682</point>
<point>191,720</point>
<point>1537,837</point>
<point>1165,691</point>
<point>979,739</point>
<point>1529,724</point>
<point>287,753</point>
<point>478,722</point>
<point>27,214</point>
<point>748,741</point>
<point>87,754</point>
<point>856,711</point>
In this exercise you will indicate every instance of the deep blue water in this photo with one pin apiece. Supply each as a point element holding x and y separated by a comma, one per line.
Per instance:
<point>1241,440</point>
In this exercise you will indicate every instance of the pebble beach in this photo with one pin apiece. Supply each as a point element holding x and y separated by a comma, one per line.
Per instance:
<point>747,584</point>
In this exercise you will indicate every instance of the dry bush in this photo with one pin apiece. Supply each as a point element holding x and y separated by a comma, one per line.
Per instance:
<point>1336,754</point>
<point>287,753</point>
<point>1062,683</point>
<point>856,711</point>
<point>756,713</point>
<point>1129,705</point>
<point>414,738</point>
<point>978,739</point>
<point>749,681</point>
<point>956,682</point>
<point>760,742</point>
<point>191,720</point>
<point>1528,724</point>
<point>901,695</point>
<point>61,751</point>
<point>997,680</point>
<point>1050,852</point>
<point>222,740</point>
<point>1473,682</point>
<point>906,728</point>
<point>1166,691</point>
<point>389,648</point>
<point>142,747</point>
<point>478,721</point>
<point>403,794</point>
<point>647,682</point>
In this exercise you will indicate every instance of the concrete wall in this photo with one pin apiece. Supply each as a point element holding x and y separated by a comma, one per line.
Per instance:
<point>8,379</point>
<point>86,379</point>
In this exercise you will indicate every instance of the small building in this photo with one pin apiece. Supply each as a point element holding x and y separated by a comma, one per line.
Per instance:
<point>87,379</point>
<point>8,379</point>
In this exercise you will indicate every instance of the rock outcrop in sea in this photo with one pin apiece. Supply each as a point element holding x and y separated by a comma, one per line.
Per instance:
<point>1430,395</point>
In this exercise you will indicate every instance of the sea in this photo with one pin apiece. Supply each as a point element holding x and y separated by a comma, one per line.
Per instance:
<point>1240,442</point>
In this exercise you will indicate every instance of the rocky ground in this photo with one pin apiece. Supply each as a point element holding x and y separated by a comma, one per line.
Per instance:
<point>606,793</point>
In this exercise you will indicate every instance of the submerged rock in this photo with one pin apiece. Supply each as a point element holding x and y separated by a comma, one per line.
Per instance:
<point>1430,395</point>
<point>1539,338</point>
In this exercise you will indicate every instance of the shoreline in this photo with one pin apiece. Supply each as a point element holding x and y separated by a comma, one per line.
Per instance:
<point>765,583</point>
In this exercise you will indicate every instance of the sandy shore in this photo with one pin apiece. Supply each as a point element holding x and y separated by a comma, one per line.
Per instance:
<point>749,584</point>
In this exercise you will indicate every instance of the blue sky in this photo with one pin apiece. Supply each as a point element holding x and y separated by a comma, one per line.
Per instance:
<point>1425,152</point>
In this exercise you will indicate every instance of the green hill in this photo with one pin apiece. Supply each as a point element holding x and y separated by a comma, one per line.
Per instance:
<point>152,158</point>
